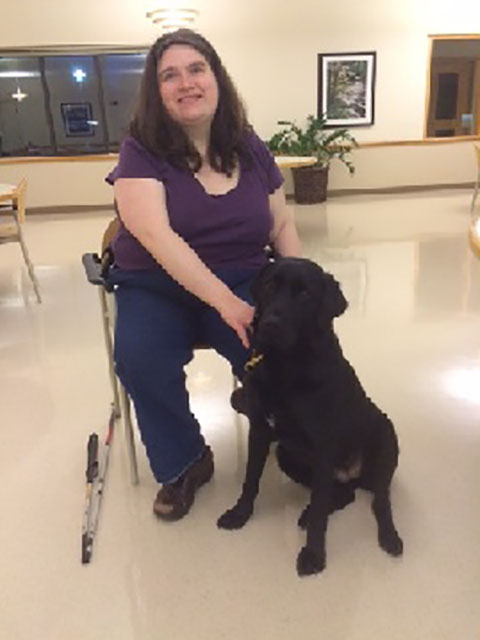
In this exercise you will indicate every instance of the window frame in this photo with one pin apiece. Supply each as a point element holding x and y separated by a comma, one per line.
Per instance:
<point>92,50</point>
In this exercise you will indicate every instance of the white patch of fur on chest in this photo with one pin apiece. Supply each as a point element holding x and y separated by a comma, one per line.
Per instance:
<point>350,471</point>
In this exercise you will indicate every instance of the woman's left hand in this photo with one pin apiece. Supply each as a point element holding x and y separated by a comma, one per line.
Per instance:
<point>238,314</point>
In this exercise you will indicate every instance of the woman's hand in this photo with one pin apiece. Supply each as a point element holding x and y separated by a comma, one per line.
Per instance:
<point>238,314</point>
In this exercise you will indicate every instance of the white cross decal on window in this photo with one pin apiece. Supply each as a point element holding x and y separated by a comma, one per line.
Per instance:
<point>79,75</point>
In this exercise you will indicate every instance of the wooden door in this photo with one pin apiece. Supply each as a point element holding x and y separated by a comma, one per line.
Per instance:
<point>451,97</point>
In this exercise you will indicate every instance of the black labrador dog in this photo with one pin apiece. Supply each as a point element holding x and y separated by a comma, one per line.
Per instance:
<point>301,391</point>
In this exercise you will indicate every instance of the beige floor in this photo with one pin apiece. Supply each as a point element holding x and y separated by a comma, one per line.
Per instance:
<point>412,333</point>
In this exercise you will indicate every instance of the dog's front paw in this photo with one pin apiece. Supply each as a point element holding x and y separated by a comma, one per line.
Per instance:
<point>391,543</point>
<point>238,400</point>
<point>310,562</point>
<point>235,517</point>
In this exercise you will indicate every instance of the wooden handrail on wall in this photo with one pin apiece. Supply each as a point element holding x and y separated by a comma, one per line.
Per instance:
<point>418,143</point>
<point>34,159</point>
<point>113,156</point>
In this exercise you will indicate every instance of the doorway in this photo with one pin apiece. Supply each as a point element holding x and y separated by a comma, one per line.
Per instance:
<point>454,104</point>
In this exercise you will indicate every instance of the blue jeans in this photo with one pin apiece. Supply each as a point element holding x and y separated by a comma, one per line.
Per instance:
<point>158,324</point>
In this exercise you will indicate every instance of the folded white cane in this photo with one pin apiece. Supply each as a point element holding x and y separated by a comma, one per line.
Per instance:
<point>96,475</point>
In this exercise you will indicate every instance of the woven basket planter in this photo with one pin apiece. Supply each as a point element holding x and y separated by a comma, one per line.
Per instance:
<point>310,184</point>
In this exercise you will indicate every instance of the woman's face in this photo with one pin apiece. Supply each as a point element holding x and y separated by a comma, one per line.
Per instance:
<point>187,86</point>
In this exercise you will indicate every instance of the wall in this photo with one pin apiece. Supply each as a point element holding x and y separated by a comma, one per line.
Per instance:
<point>270,49</point>
<point>55,184</point>
<point>82,183</point>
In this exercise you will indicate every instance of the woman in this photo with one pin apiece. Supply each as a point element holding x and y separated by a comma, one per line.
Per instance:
<point>199,197</point>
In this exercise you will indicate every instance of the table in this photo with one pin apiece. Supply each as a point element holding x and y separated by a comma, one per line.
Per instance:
<point>290,162</point>
<point>8,230</point>
<point>12,196</point>
<point>7,191</point>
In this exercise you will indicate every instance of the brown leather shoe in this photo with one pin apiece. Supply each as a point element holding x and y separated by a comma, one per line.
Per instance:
<point>174,500</point>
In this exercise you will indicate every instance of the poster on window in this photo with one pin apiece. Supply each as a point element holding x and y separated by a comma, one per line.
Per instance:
<point>77,119</point>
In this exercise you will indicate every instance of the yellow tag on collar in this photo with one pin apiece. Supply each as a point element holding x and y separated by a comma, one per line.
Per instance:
<point>254,360</point>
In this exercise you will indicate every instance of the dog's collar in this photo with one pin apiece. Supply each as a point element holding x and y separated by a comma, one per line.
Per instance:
<point>254,360</point>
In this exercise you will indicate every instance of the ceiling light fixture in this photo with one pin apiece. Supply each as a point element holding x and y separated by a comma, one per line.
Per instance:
<point>171,19</point>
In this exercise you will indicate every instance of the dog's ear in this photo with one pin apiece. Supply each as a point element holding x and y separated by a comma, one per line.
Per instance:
<point>260,280</point>
<point>334,301</point>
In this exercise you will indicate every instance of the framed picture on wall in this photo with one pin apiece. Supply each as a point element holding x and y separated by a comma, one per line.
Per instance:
<point>346,88</point>
<point>77,119</point>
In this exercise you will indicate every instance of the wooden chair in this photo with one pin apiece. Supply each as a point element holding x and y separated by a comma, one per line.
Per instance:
<point>96,269</point>
<point>477,183</point>
<point>14,204</point>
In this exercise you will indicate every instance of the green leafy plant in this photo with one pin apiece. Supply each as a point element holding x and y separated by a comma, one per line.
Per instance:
<point>314,140</point>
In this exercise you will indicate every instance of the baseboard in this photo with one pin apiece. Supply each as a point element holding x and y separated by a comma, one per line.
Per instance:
<point>334,193</point>
<point>401,189</point>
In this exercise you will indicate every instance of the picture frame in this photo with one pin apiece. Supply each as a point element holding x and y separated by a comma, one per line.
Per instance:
<point>346,88</point>
<point>77,119</point>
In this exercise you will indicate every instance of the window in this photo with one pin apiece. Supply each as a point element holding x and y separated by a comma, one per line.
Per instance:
<point>454,101</point>
<point>61,104</point>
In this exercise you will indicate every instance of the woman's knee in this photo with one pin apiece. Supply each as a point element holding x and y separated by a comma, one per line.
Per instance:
<point>143,354</point>
<point>154,339</point>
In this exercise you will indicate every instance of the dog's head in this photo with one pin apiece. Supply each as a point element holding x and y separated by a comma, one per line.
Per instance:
<point>294,299</point>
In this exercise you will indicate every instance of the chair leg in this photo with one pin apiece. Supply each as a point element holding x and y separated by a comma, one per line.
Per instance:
<point>30,269</point>
<point>129,435</point>
<point>475,194</point>
<point>121,400</point>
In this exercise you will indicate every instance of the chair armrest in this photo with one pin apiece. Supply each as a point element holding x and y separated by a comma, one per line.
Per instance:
<point>93,269</point>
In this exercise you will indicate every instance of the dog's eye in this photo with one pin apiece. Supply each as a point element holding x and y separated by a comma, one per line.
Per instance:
<point>300,291</point>
<point>300,287</point>
<point>303,295</point>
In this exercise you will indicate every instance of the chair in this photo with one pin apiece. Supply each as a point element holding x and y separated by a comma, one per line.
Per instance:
<point>15,206</point>
<point>96,270</point>
<point>96,274</point>
<point>477,183</point>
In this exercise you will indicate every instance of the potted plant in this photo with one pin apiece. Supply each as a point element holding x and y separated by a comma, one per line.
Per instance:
<point>310,183</point>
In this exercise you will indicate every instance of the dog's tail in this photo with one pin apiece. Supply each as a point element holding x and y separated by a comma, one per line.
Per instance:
<point>293,468</point>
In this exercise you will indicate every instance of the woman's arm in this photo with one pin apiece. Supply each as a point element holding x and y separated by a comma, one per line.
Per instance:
<point>142,208</point>
<point>284,233</point>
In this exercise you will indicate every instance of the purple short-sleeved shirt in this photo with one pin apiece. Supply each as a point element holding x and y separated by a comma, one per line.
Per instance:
<point>229,230</point>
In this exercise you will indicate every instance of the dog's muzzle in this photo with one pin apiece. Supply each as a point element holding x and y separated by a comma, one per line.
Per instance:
<point>269,330</point>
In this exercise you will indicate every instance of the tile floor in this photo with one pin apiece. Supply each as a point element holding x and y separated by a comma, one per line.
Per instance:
<point>412,333</point>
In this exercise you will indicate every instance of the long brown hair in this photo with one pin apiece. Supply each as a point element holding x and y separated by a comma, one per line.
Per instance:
<point>153,127</point>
